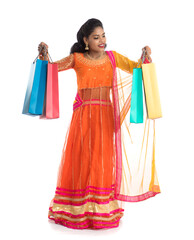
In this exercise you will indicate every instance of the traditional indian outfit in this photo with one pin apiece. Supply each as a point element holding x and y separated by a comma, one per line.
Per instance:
<point>105,160</point>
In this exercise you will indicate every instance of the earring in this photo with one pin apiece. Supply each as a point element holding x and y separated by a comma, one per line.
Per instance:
<point>86,48</point>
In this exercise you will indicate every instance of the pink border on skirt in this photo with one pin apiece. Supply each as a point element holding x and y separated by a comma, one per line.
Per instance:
<point>86,224</point>
<point>84,202</point>
<point>81,190</point>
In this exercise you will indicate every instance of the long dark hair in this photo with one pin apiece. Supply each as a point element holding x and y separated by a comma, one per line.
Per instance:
<point>86,29</point>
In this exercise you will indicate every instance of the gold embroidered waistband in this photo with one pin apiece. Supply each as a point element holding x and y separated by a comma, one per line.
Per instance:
<point>97,102</point>
<point>79,102</point>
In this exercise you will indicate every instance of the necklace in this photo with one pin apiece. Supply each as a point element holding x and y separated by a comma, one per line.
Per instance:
<point>94,58</point>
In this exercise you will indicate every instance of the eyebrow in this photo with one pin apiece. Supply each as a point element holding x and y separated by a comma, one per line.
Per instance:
<point>98,34</point>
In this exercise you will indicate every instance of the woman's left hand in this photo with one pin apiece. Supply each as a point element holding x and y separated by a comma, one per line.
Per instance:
<point>147,49</point>
<point>148,52</point>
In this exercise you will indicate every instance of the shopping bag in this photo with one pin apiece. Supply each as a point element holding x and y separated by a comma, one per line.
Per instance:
<point>29,90</point>
<point>52,92</point>
<point>33,103</point>
<point>136,110</point>
<point>151,91</point>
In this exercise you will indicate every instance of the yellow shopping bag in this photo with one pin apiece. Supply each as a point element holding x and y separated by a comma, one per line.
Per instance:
<point>151,91</point>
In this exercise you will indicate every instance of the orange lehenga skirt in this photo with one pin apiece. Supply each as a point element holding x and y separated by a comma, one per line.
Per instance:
<point>84,196</point>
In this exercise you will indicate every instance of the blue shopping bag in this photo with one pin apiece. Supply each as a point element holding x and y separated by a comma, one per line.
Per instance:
<point>35,93</point>
<point>136,111</point>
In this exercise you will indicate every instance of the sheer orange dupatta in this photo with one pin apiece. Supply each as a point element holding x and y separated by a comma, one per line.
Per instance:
<point>136,177</point>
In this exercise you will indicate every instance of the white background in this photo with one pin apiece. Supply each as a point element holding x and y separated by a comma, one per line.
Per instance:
<point>31,148</point>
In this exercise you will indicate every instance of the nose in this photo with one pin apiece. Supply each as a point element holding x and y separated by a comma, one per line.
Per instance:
<point>102,40</point>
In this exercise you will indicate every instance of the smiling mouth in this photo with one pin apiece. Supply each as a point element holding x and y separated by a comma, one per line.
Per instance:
<point>101,45</point>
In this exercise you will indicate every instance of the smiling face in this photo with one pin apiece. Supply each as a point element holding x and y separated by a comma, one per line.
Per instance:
<point>96,40</point>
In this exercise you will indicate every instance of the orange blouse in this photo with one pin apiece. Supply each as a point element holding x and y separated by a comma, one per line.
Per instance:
<point>94,73</point>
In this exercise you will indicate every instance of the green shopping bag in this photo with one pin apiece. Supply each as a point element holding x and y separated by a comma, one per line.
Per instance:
<point>136,111</point>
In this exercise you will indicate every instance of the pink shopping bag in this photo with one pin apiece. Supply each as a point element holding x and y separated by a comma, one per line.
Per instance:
<point>52,92</point>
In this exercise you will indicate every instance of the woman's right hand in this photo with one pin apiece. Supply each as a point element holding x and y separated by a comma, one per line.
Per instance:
<point>43,49</point>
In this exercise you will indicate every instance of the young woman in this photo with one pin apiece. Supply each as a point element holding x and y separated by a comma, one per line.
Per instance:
<point>96,173</point>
